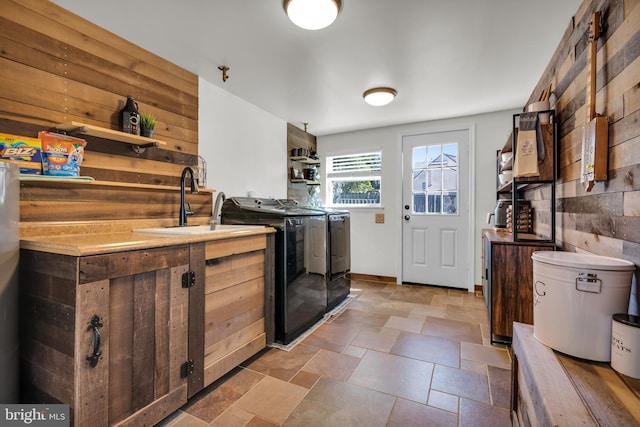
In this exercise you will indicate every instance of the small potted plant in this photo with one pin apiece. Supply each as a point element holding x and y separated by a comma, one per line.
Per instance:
<point>147,124</point>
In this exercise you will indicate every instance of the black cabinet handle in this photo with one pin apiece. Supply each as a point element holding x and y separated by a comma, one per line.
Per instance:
<point>94,324</point>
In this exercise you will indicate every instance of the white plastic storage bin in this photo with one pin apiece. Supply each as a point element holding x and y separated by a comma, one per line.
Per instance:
<point>574,298</point>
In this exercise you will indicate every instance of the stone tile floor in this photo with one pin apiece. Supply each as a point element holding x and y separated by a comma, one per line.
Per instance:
<point>395,356</point>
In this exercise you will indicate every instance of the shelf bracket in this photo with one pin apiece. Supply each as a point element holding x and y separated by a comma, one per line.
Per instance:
<point>140,148</point>
<point>79,130</point>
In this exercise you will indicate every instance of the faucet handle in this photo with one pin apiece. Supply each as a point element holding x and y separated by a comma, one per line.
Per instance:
<point>189,211</point>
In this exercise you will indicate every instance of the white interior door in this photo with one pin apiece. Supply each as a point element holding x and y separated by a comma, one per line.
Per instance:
<point>436,241</point>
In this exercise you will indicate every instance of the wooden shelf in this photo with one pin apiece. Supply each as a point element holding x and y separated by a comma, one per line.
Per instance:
<point>44,180</point>
<point>77,128</point>
<point>305,160</point>
<point>306,181</point>
<point>506,188</point>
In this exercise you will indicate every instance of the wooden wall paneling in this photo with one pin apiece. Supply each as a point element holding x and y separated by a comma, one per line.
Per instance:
<point>58,67</point>
<point>108,160</point>
<point>77,68</point>
<point>298,138</point>
<point>142,60</point>
<point>52,201</point>
<point>595,221</point>
<point>77,33</point>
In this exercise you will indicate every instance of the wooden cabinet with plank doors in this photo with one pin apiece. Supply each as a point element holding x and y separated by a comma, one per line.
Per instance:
<point>508,285</point>
<point>106,334</point>
<point>235,306</point>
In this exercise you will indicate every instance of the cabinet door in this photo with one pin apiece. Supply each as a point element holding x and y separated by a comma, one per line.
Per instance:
<point>523,308</point>
<point>503,289</point>
<point>512,286</point>
<point>143,310</point>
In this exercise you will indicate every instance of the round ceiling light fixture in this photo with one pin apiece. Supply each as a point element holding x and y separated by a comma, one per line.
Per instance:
<point>379,96</point>
<point>312,14</point>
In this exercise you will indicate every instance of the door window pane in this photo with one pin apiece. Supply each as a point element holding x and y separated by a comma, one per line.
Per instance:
<point>449,178</point>
<point>419,180</point>
<point>419,157</point>
<point>434,158</point>
<point>435,179</point>
<point>434,202</point>
<point>419,203</point>
<point>450,202</point>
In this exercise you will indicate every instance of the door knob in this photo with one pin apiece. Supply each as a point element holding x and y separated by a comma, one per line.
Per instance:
<point>407,217</point>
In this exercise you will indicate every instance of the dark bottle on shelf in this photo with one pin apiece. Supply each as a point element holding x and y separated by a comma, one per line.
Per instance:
<point>131,117</point>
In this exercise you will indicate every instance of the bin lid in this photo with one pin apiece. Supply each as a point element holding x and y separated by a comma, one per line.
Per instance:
<point>627,319</point>
<point>581,260</point>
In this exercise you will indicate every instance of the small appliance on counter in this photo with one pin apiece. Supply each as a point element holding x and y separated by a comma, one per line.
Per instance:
<point>499,214</point>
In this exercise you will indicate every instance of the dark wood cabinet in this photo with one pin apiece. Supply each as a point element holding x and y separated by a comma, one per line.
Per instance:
<point>125,338</point>
<point>106,334</point>
<point>508,282</point>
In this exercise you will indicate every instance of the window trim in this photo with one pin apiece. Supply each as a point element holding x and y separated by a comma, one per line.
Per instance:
<point>329,176</point>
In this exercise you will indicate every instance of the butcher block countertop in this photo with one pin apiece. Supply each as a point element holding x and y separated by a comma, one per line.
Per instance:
<point>566,391</point>
<point>101,237</point>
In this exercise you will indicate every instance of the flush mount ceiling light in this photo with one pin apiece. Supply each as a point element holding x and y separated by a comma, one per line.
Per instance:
<point>312,14</point>
<point>379,96</point>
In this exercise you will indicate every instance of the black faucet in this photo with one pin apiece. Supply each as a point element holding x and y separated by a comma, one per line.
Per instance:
<point>194,190</point>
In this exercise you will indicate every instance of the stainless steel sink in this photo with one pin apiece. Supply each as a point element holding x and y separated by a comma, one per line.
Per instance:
<point>200,229</point>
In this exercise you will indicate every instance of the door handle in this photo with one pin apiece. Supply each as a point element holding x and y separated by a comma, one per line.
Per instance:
<point>407,217</point>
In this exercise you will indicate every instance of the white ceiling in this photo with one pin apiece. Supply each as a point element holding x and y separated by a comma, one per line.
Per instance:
<point>446,58</point>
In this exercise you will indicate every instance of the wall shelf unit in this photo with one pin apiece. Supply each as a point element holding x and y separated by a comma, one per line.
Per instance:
<point>305,160</point>
<point>516,188</point>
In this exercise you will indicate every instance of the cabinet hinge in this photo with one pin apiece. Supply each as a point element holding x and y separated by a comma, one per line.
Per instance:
<point>188,279</point>
<point>186,369</point>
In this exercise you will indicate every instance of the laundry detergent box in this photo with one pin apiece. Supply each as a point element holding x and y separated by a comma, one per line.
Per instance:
<point>61,154</point>
<point>23,151</point>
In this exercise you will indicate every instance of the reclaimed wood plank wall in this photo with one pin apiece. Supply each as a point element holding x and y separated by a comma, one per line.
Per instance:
<point>298,138</point>
<point>606,220</point>
<point>58,67</point>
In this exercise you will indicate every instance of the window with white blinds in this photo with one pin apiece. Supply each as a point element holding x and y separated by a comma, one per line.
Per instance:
<point>354,179</point>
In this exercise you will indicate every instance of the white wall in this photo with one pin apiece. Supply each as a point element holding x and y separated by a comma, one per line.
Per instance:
<point>374,247</point>
<point>245,147</point>
<point>246,150</point>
